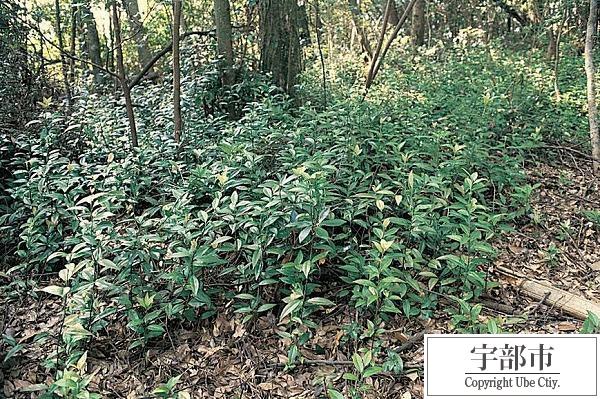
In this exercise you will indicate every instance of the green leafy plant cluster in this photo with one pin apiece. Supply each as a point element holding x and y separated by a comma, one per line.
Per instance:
<point>388,205</point>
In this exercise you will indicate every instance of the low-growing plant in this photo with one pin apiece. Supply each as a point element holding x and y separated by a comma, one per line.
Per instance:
<point>386,205</point>
<point>591,324</point>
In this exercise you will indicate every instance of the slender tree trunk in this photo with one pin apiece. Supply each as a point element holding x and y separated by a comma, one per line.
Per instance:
<point>551,49</point>
<point>122,76</point>
<point>535,15</point>
<point>380,54</point>
<point>557,54</point>
<point>280,45</point>
<point>357,21</point>
<point>178,123</point>
<point>111,56</point>
<point>92,40</point>
<point>319,34</point>
<point>301,19</point>
<point>489,32</point>
<point>73,40</point>
<point>394,18</point>
<point>42,68</point>
<point>61,47</point>
<point>374,60</point>
<point>591,84</point>
<point>224,39</point>
<point>139,33</point>
<point>110,43</point>
<point>418,23</point>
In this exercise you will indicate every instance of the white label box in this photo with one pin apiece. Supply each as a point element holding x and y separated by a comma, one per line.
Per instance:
<point>509,365</point>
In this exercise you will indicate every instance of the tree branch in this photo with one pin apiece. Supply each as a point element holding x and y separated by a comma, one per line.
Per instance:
<point>138,78</point>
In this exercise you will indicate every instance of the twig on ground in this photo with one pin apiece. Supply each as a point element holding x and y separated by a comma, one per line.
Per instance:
<point>540,303</point>
<point>500,307</point>
<point>415,339</point>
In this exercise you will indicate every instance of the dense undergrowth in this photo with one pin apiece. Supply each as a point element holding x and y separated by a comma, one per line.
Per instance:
<point>386,204</point>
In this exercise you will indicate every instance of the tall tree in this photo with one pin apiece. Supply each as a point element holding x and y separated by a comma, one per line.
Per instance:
<point>73,39</point>
<point>591,83</point>
<point>61,48</point>
<point>177,121</point>
<point>418,23</point>
<point>224,39</point>
<point>319,35</point>
<point>92,40</point>
<point>122,77</point>
<point>281,26</point>
<point>139,33</point>
<point>559,35</point>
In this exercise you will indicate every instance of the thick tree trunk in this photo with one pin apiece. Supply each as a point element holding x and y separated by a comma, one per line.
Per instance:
<point>224,39</point>
<point>357,21</point>
<point>418,23</point>
<point>591,83</point>
<point>139,33</point>
<point>61,47</point>
<point>280,46</point>
<point>177,121</point>
<point>122,76</point>
<point>92,40</point>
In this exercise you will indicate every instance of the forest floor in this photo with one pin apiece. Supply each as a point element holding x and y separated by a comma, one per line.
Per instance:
<point>561,246</point>
<point>226,359</point>
<point>441,139</point>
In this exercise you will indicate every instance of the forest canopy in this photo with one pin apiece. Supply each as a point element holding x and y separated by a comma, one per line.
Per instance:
<point>278,198</point>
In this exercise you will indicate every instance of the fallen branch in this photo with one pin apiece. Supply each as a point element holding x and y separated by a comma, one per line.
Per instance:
<point>412,341</point>
<point>325,362</point>
<point>571,304</point>
<point>499,307</point>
